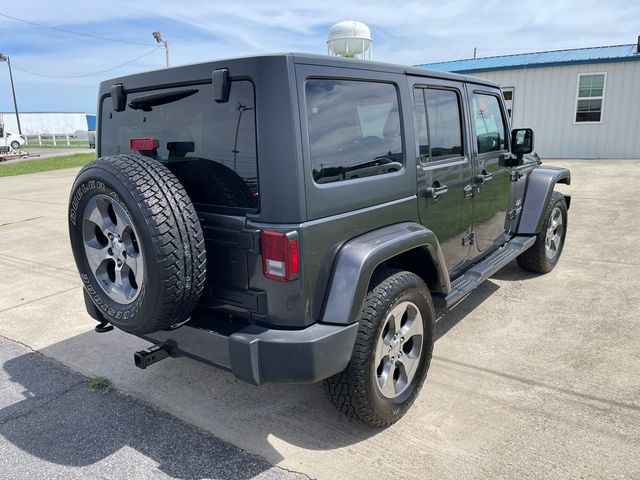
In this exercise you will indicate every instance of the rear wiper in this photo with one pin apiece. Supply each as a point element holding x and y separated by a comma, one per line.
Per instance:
<point>146,102</point>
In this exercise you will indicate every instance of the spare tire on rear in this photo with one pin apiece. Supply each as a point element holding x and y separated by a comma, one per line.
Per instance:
<point>137,243</point>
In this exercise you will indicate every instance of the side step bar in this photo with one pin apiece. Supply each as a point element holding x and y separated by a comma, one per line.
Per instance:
<point>473,277</point>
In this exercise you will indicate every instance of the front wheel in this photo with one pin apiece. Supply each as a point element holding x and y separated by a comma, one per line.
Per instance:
<point>543,256</point>
<point>15,145</point>
<point>391,355</point>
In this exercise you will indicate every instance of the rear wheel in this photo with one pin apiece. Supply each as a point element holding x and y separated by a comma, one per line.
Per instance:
<point>15,145</point>
<point>543,256</point>
<point>137,243</point>
<point>391,355</point>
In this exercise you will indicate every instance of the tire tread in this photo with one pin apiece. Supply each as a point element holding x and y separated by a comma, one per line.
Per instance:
<point>348,390</point>
<point>175,231</point>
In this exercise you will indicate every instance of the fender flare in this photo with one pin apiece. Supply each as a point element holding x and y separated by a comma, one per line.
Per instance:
<point>359,257</point>
<point>540,184</point>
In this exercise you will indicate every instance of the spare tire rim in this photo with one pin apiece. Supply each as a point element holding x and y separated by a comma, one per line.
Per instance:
<point>112,249</point>
<point>398,350</point>
<point>555,229</point>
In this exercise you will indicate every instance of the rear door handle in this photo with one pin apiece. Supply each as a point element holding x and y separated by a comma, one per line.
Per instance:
<point>436,191</point>
<point>483,178</point>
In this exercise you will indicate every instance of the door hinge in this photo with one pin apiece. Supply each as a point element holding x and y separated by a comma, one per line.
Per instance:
<point>514,213</point>
<point>516,175</point>
<point>468,239</point>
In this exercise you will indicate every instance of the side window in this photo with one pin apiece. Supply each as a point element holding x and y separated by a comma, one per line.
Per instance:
<point>354,129</point>
<point>439,123</point>
<point>445,132</point>
<point>490,128</point>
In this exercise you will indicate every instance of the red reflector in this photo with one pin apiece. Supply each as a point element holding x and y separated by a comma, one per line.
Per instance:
<point>293,254</point>
<point>144,144</point>
<point>279,255</point>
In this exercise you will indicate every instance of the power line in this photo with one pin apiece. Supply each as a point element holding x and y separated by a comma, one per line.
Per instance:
<point>72,32</point>
<point>88,74</point>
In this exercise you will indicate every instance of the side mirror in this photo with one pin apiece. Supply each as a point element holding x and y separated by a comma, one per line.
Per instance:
<point>521,141</point>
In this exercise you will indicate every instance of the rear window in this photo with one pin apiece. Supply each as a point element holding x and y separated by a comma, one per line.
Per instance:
<point>209,146</point>
<point>354,129</point>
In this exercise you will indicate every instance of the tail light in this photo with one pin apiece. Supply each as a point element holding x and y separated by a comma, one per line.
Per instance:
<point>143,144</point>
<point>279,255</point>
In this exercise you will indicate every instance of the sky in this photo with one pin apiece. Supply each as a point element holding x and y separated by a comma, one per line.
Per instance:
<point>404,32</point>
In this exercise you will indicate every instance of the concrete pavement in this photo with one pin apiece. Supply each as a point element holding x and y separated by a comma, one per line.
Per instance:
<point>532,377</point>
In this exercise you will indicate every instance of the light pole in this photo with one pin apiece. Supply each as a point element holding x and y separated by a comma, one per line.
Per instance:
<point>5,58</point>
<point>159,39</point>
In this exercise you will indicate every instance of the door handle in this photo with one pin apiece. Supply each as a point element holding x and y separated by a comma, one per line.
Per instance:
<point>435,191</point>
<point>469,191</point>
<point>484,178</point>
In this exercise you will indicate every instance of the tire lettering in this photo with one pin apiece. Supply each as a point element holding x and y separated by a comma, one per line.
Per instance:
<point>78,194</point>
<point>100,303</point>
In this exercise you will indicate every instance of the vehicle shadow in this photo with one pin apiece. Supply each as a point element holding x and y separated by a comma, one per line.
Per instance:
<point>448,319</point>
<point>513,273</point>
<point>264,420</point>
<point>60,421</point>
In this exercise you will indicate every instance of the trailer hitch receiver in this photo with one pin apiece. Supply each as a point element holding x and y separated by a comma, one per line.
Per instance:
<point>149,356</point>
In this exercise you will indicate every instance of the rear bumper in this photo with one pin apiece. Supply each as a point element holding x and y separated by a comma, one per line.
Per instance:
<point>257,354</point>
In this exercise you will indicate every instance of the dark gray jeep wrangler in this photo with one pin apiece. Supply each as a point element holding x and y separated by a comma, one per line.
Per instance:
<point>296,218</point>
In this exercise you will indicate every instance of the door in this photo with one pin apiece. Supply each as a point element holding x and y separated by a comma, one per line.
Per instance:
<point>445,188</point>
<point>492,181</point>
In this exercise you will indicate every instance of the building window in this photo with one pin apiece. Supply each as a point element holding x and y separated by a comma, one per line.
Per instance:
<point>507,94</point>
<point>590,98</point>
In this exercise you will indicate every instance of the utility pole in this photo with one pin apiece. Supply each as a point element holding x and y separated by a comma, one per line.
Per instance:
<point>5,58</point>
<point>475,52</point>
<point>160,40</point>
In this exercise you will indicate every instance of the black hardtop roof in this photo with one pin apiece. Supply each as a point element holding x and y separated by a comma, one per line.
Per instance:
<point>202,70</point>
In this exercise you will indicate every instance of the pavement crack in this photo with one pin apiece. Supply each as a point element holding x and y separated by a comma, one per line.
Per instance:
<point>31,201</point>
<point>20,221</point>
<point>293,472</point>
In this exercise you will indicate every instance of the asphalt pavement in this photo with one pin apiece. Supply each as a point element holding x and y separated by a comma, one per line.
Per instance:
<point>52,426</point>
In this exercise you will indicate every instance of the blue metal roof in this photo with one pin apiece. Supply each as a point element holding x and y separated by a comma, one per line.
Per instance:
<point>615,53</point>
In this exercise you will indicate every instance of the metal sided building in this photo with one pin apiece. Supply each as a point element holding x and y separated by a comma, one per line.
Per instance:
<point>581,103</point>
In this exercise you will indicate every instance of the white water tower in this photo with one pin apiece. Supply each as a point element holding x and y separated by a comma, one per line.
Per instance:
<point>350,39</point>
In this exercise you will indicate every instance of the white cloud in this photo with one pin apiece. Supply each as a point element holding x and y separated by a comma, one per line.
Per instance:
<point>198,30</point>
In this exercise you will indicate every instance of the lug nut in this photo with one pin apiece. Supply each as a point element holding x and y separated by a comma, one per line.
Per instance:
<point>110,236</point>
<point>119,262</point>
